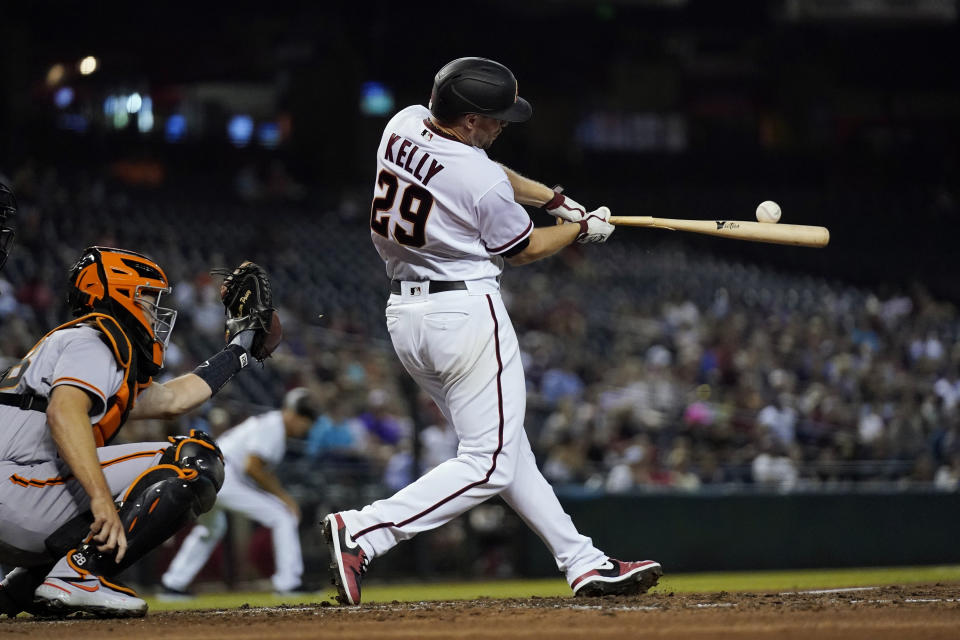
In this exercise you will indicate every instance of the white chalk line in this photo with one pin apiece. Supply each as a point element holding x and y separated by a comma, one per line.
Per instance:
<point>816,592</point>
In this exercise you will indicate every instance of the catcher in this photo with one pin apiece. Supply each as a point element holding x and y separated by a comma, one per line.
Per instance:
<point>75,511</point>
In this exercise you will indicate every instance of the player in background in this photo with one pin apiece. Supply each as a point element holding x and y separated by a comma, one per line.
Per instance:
<point>250,488</point>
<point>74,510</point>
<point>444,219</point>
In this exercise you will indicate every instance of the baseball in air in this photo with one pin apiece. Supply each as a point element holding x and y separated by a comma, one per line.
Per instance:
<point>768,211</point>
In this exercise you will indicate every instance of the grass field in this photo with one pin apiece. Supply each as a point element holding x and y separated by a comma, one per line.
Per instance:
<point>679,583</point>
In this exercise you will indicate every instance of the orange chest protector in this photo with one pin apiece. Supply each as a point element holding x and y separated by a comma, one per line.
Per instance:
<point>121,402</point>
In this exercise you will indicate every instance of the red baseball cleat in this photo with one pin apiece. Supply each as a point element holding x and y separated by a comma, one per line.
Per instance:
<point>615,577</point>
<point>348,560</point>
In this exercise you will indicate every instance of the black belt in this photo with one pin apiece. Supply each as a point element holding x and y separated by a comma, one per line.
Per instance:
<point>435,286</point>
<point>24,401</point>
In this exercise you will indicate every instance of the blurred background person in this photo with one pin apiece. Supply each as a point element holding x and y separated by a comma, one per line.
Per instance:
<point>250,450</point>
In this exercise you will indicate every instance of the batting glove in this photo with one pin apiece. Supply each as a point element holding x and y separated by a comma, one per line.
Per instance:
<point>594,226</point>
<point>561,206</point>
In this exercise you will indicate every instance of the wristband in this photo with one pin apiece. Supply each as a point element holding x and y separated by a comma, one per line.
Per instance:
<point>556,200</point>
<point>584,227</point>
<point>219,368</point>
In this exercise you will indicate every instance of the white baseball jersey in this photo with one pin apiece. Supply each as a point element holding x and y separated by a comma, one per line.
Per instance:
<point>262,436</point>
<point>442,209</point>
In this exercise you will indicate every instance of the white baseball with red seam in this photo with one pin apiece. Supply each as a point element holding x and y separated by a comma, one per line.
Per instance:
<point>768,211</point>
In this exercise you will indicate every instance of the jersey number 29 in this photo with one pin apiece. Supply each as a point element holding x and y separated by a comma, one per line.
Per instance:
<point>416,203</point>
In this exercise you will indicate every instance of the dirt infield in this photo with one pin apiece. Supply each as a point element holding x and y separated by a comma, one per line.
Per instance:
<point>875,613</point>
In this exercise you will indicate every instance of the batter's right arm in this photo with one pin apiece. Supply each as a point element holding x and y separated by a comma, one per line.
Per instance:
<point>544,242</point>
<point>70,428</point>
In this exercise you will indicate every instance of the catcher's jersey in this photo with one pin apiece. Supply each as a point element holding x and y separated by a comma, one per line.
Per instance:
<point>74,356</point>
<point>262,436</point>
<point>442,210</point>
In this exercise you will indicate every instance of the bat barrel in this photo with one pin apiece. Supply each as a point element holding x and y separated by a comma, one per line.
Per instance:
<point>792,234</point>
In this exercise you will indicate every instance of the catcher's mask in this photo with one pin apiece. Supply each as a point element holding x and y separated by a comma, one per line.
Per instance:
<point>8,209</point>
<point>128,286</point>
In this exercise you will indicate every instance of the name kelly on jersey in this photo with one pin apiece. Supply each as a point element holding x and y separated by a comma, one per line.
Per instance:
<point>413,161</point>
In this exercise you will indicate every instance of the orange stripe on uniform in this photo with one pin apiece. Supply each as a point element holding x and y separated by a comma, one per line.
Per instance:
<point>82,383</point>
<point>131,456</point>
<point>50,482</point>
<point>33,482</point>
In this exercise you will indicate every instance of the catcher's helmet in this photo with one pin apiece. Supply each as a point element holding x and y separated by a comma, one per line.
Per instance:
<point>116,282</point>
<point>8,209</point>
<point>477,85</point>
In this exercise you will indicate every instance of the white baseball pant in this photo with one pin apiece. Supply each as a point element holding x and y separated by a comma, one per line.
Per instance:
<point>461,348</point>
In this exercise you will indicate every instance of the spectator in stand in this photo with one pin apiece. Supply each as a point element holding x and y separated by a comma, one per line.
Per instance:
<point>381,425</point>
<point>779,418</point>
<point>337,436</point>
<point>947,477</point>
<point>773,467</point>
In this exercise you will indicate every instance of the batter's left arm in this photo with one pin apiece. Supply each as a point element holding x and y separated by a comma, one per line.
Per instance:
<point>553,201</point>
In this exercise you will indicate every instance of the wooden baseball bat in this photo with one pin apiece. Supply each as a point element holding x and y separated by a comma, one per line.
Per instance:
<point>800,235</point>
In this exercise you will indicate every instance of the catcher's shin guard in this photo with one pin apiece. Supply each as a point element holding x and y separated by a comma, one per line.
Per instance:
<point>200,453</point>
<point>156,505</point>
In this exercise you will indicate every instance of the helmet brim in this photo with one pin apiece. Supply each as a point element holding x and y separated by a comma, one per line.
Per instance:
<point>519,111</point>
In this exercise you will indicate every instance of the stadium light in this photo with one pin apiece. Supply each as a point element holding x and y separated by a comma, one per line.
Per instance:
<point>176,128</point>
<point>240,130</point>
<point>145,117</point>
<point>134,102</point>
<point>63,97</point>
<point>375,99</point>
<point>55,74</point>
<point>88,65</point>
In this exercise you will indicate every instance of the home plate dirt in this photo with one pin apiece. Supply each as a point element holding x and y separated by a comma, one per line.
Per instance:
<point>874,613</point>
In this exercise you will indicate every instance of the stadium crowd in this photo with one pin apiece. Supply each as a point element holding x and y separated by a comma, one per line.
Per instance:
<point>648,366</point>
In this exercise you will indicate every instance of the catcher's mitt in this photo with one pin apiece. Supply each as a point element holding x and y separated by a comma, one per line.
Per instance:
<point>245,293</point>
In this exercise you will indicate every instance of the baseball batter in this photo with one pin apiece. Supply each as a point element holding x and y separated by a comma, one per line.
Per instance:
<point>60,480</point>
<point>444,219</point>
<point>250,488</point>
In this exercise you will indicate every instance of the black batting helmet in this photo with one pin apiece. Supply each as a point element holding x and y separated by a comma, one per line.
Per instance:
<point>477,85</point>
<point>8,209</point>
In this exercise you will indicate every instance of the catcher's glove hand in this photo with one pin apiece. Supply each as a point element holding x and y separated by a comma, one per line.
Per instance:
<point>245,293</point>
